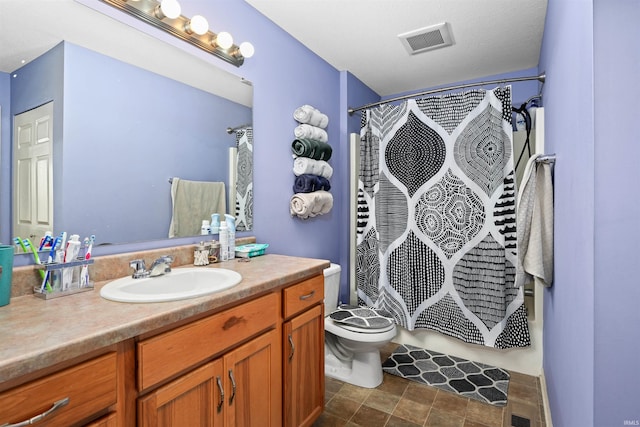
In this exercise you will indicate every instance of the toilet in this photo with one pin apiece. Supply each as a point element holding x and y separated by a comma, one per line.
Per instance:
<point>352,351</point>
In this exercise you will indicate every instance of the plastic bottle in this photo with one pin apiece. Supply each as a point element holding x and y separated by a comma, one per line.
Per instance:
<point>215,223</point>
<point>224,241</point>
<point>231,226</point>
<point>205,229</point>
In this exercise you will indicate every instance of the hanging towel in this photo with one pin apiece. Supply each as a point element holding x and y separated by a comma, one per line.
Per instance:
<point>311,148</point>
<point>302,165</point>
<point>309,115</point>
<point>192,202</point>
<point>307,183</point>
<point>535,225</point>
<point>307,205</point>
<point>311,132</point>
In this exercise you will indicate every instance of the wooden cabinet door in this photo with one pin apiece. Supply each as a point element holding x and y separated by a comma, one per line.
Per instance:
<point>303,355</point>
<point>195,399</point>
<point>106,421</point>
<point>253,383</point>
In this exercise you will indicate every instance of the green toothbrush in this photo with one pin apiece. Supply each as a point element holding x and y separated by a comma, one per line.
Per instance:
<point>26,243</point>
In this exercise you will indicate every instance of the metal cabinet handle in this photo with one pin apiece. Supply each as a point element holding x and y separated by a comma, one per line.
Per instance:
<point>233,386</point>
<point>307,296</point>
<point>57,405</point>
<point>293,348</point>
<point>221,401</point>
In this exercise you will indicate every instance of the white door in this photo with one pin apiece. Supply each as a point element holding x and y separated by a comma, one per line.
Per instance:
<point>33,172</point>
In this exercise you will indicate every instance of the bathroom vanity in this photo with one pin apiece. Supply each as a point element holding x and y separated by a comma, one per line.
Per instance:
<point>250,355</point>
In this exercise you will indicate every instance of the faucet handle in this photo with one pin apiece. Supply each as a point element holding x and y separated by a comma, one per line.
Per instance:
<point>139,268</point>
<point>167,258</point>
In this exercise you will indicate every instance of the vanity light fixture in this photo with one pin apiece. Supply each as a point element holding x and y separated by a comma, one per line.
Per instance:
<point>223,40</point>
<point>166,15</point>
<point>197,24</point>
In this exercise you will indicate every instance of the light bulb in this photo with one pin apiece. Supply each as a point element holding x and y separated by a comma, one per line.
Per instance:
<point>198,24</point>
<point>168,9</point>
<point>223,40</point>
<point>246,49</point>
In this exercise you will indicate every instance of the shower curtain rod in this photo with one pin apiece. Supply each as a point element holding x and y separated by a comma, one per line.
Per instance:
<point>541,78</point>
<point>230,130</point>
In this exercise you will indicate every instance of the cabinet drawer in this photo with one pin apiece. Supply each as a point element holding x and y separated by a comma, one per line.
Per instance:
<point>174,351</point>
<point>89,387</point>
<point>299,297</point>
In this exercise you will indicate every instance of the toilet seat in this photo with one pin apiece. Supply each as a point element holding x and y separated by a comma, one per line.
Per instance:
<point>358,334</point>
<point>363,330</point>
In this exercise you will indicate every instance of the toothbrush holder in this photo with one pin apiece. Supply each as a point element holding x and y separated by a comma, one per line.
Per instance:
<point>65,278</point>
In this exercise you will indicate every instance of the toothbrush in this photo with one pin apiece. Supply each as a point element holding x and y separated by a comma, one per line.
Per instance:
<point>45,240</point>
<point>45,276</point>
<point>63,239</point>
<point>84,272</point>
<point>18,241</point>
<point>89,246</point>
<point>52,252</point>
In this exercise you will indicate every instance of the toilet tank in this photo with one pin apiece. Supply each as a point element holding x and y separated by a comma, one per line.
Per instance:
<point>331,288</point>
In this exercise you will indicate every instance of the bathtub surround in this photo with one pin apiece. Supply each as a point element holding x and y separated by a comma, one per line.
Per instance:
<point>485,383</point>
<point>436,217</point>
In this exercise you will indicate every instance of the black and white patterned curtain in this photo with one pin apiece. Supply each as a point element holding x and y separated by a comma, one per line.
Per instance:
<point>436,217</point>
<point>244,184</point>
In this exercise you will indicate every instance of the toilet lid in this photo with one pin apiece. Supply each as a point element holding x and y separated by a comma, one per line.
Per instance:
<point>358,318</point>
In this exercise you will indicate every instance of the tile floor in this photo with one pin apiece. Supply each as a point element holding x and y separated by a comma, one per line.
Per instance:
<point>402,403</point>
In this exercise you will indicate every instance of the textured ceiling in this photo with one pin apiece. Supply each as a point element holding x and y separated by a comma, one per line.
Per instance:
<point>361,36</point>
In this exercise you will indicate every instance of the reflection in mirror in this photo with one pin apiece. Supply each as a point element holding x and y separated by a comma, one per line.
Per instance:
<point>119,134</point>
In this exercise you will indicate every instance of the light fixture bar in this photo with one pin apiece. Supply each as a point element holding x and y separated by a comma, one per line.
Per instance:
<point>145,11</point>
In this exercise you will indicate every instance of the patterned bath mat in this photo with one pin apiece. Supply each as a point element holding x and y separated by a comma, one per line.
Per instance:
<point>474,380</point>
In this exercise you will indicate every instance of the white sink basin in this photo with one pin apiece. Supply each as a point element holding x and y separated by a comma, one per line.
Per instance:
<point>181,283</point>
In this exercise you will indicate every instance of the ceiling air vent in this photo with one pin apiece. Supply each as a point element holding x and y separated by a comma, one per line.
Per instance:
<point>428,38</point>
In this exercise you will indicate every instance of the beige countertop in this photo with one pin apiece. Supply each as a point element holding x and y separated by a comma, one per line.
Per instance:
<point>36,333</point>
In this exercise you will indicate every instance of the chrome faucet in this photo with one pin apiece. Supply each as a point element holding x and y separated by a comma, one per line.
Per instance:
<point>139,269</point>
<point>161,266</point>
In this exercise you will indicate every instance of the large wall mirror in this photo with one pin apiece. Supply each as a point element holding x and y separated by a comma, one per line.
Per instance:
<point>126,121</point>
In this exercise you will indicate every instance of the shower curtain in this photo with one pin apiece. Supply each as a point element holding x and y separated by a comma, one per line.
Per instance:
<point>244,184</point>
<point>436,237</point>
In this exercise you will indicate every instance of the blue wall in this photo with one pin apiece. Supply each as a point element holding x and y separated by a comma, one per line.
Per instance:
<point>567,57</point>
<point>617,211</point>
<point>591,52</point>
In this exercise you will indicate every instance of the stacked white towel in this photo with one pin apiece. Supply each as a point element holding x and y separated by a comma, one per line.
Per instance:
<point>307,131</point>
<point>309,115</point>
<point>306,165</point>
<point>307,205</point>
